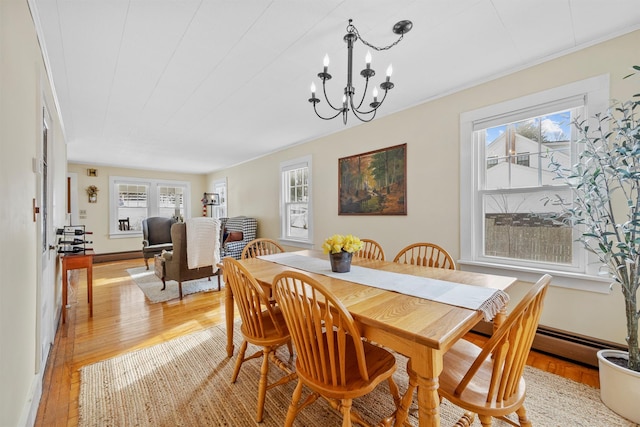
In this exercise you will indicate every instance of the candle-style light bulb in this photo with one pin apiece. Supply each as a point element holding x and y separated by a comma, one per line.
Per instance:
<point>313,90</point>
<point>375,94</point>
<point>389,71</point>
<point>367,59</point>
<point>326,62</point>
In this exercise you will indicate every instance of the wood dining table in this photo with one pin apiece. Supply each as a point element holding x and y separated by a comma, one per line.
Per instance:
<point>420,329</point>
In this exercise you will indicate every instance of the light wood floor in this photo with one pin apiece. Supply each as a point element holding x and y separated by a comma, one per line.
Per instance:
<point>124,321</point>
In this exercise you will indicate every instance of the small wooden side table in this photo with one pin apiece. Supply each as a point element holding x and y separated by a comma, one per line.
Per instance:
<point>75,261</point>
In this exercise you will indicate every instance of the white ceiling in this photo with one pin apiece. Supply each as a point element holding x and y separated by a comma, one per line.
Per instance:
<point>200,85</point>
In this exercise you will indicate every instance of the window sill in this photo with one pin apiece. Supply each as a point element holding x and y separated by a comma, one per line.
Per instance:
<point>128,235</point>
<point>296,243</point>
<point>560,279</point>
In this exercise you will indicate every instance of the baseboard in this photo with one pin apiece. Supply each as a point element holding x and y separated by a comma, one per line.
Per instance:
<point>117,256</point>
<point>30,410</point>
<point>567,345</point>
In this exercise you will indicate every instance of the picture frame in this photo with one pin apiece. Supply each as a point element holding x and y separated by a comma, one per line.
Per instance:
<point>373,183</point>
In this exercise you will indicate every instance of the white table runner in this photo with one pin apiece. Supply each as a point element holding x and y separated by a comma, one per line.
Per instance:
<point>488,301</point>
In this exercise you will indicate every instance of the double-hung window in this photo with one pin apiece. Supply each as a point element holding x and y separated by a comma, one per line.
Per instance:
<point>507,180</point>
<point>134,199</point>
<point>295,196</point>
<point>220,188</point>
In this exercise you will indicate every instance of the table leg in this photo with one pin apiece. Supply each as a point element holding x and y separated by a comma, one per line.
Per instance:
<point>64,294</point>
<point>228,311</point>
<point>90,287</point>
<point>427,371</point>
<point>499,318</point>
<point>428,402</point>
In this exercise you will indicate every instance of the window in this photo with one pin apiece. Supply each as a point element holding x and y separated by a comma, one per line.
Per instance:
<point>136,199</point>
<point>518,224</point>
<point>295,196</point>
<point>506,180</point>
<point>220,188</point>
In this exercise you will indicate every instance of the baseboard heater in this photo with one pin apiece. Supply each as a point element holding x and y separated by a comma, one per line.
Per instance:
<point>567,345</point>
<point>116,256</point>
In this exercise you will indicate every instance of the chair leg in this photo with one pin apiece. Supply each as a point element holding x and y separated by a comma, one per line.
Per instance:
<point>403,409</point>
<point>262,385</point>
<point>290,347</point>
<point>522,417</point>
<point>239,361</point>
<point>293,407</point>
<point>180,288</point>
<point>466,420</point>
<point>345,408</point>
<point>146,262</point>
<point>485,420</point>
<point>395,392</point>
<point>164,284</point>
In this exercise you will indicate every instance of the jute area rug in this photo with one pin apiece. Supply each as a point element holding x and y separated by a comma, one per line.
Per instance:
<point>151,285</point>
<point>186,382</point>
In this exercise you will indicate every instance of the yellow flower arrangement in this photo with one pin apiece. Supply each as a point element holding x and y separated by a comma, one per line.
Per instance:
<point>339,243</point>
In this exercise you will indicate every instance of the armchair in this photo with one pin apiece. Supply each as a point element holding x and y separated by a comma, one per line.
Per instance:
<point>247,226</point>
<point>176,266</point>
<point>156,232</point>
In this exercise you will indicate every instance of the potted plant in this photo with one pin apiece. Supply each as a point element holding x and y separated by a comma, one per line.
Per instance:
<point>606,206</point>
<point>340,249</point>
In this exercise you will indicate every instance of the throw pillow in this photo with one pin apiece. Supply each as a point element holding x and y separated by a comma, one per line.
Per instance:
<point>234,236</point>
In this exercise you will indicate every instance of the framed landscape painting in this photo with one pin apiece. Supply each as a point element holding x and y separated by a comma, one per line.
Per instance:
<point>373,183</point>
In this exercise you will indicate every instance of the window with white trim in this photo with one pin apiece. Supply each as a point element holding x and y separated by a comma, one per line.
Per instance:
<point>295,196</point>
<point>220,188</point>
<point>506,179</point>
<point>134,199</point>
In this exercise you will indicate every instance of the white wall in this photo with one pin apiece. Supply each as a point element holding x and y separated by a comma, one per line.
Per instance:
<point>97,214</point>
<point>431,132</point>
<point>23,81</point>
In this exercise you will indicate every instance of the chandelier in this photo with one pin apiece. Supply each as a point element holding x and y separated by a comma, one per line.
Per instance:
<point>348,102</point>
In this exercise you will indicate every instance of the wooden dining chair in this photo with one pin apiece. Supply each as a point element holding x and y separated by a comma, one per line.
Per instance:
<point>331,357</point>
<point>488,380</point>
<point>426,255</point>
<point>370,250</point>
<point>261,246</point>
<point>262,325</point>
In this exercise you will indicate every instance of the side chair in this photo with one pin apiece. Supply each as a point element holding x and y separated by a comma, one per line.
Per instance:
<point>174,264</point>
<point>370,250</point>
<point>261,246</point>
<point>488,380</point>
<point>331,357</point>
<point>262,325</point>
<point>156,235</point>
<point>426,255</point>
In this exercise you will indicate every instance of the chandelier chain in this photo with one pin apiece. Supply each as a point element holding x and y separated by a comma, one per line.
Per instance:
<point>352,27</point>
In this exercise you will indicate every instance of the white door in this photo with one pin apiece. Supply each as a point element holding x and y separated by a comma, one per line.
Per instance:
<point>46,248</point>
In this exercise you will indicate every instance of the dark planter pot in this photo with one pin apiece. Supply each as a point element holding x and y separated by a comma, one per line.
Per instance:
<point>340,262</point>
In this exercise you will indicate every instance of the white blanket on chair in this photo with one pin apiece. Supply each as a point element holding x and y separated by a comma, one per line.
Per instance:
<point>203,242</point>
